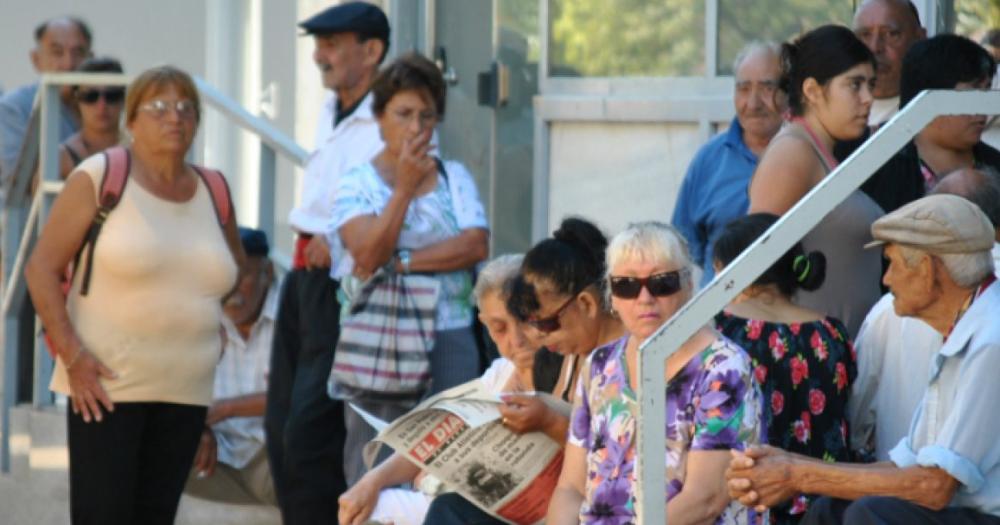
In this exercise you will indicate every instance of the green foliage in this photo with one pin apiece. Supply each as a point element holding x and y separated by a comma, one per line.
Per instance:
<point>742,21</point>
<point>609,38</point>
<point>974,17</point>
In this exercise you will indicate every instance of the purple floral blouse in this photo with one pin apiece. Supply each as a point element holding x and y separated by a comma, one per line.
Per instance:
<point>712,404</point>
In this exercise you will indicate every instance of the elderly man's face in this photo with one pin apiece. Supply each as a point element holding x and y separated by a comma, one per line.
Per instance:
<point>61,49</point>
<point>888,28</point>
<point>912,288</point>
<point>340,58</point>
<point>759,103</point>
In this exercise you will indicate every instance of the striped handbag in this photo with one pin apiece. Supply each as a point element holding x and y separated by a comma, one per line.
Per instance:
<point>385,338</point>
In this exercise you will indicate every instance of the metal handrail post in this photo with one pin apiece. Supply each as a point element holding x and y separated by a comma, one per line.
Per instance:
<point>52,108</point>
<point>14,219</point>
<point>266,189</point>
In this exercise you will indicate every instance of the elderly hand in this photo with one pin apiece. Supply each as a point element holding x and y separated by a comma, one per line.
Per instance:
<point>525,413</point>
<point>415,162</point>
<point>761,477</point>
<point>86,393</point>
<point>317,253</point>
<point>207,456</point>
<point>358,503</point>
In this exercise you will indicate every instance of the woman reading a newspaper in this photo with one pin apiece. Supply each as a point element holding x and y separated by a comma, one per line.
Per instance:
<point>713,404</point>
<point>557,299</point>
<point>369,498</point>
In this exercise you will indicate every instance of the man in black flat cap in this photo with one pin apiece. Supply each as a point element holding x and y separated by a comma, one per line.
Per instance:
<point>305,428</point>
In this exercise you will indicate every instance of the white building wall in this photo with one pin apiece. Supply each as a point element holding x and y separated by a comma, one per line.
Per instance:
<point>139,33</point>
<point>617,173</point>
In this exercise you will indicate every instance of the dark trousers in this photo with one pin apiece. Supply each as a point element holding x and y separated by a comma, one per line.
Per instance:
<point>875,510</point>
<point>304,427</point>
<point>131,467</point>
<point>453,509</point>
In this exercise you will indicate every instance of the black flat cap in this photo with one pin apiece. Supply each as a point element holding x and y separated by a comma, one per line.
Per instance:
<point>254,242</point>
<point>360,17</point>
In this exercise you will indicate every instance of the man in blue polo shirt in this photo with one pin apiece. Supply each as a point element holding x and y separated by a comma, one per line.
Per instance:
<point>714,191</point>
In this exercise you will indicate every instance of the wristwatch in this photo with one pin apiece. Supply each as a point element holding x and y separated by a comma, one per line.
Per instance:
<point>404,260</point>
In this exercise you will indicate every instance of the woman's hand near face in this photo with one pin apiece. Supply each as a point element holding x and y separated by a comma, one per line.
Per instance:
<point>415,163</point>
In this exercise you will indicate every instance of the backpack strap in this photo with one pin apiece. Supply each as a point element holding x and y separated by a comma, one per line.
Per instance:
<point>219,189</point>
<point>117,164</point>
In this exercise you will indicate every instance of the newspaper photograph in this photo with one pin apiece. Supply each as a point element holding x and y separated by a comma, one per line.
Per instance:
<point>457,436</point>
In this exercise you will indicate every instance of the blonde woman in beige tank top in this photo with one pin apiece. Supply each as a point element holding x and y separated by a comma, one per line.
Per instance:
<point>828,76</point>
<point>136,353</point>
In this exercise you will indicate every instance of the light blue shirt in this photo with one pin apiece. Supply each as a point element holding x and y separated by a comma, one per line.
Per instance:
<point>15,111</point>
<point>713,193</point>
<point>956,427</point>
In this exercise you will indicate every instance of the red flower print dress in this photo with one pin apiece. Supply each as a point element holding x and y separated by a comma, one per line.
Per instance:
<point>805,371</point>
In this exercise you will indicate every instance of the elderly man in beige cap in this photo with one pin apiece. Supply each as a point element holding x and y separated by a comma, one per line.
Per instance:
<point>947,470</point>
<point>893,349</point>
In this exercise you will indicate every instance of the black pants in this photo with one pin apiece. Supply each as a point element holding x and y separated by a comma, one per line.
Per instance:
<point>131,467</point>
<point>874,510</point>
<point>453,509</point>
<point>304,427</point>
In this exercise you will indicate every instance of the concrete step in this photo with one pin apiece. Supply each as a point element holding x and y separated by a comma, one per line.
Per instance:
<point>36,492</point>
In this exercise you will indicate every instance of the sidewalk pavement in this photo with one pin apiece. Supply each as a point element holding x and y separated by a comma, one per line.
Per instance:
<point>36,492</point>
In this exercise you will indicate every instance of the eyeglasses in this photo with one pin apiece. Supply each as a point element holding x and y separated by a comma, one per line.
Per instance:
<point>110,96</point>
<point>159,108</point>
<point>425,118</point>
<point>551,323</point>
<point>659,285</point>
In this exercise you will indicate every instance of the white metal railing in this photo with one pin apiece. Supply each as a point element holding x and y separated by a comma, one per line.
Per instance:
<point>24,215</point>
<point>759,256</point>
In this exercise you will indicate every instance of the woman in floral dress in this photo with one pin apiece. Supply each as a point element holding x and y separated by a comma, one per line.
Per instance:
<point>713,404</point>
<point>803,360</point>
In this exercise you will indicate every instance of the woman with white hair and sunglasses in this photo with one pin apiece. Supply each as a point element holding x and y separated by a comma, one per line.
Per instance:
<point>713,404</point>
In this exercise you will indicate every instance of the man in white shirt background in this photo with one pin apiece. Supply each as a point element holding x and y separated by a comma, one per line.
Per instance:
<point>304,427</point>
<point>231,464</point>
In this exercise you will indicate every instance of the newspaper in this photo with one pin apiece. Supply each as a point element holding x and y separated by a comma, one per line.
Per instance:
<point>457,436</point>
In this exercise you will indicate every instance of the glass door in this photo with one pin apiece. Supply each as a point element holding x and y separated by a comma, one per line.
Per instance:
<point>489,51</point>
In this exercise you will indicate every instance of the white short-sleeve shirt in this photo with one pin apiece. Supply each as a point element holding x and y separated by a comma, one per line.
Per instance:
<point>355,140</point>
<point>452,206</point>
<point>243,370</point>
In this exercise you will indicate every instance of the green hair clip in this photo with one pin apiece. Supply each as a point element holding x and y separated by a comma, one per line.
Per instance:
<point>801,266</point>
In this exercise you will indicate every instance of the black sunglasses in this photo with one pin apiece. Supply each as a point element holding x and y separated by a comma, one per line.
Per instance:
<point>551,323</point>
<point>111,96</point>
<point>659,285</point>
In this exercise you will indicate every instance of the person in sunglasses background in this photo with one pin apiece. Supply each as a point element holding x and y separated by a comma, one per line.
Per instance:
<point>713,404</point>
<point>803,360</point>
<point>100,110</point>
